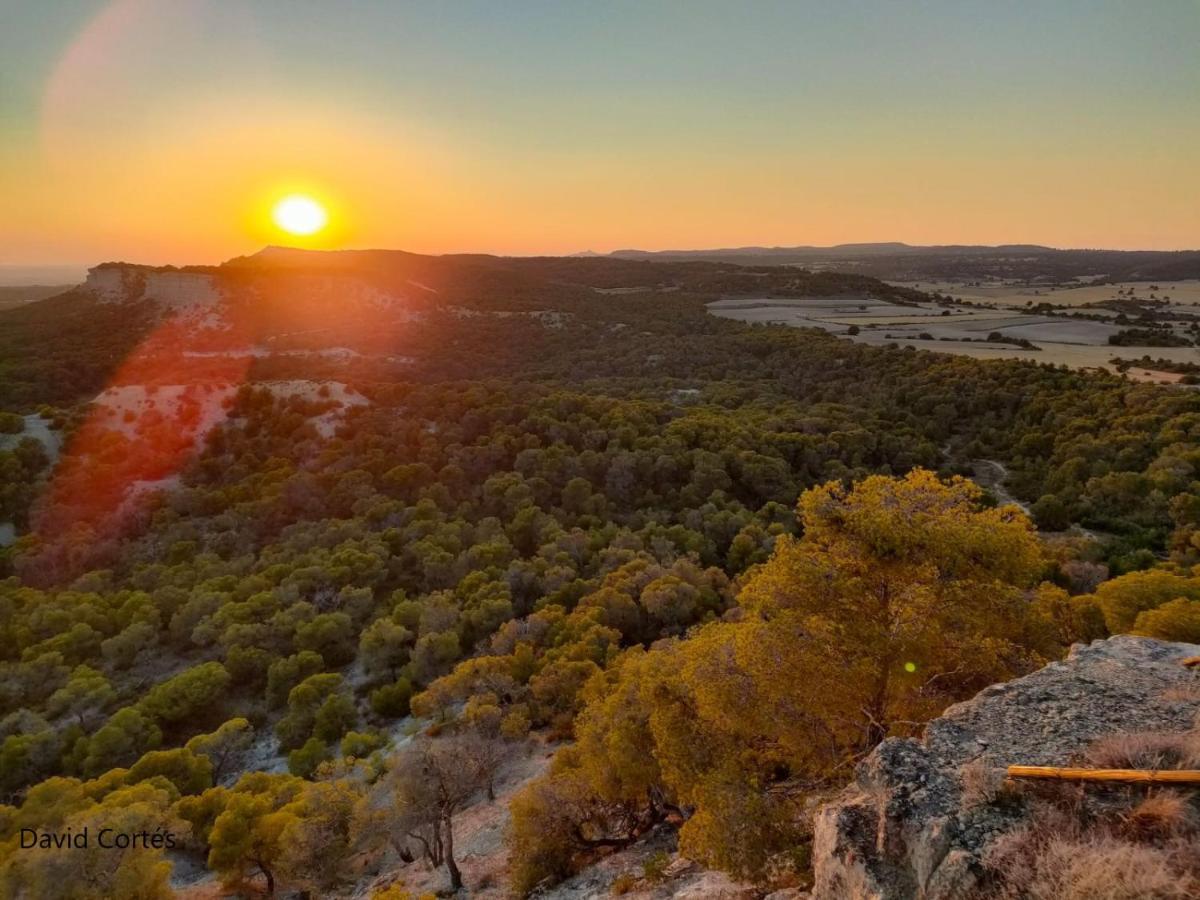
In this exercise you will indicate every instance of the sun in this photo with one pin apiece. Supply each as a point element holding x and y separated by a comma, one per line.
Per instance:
<point>298,214</point>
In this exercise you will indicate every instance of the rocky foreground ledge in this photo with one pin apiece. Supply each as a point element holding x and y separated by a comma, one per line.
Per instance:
<point>906,828</point>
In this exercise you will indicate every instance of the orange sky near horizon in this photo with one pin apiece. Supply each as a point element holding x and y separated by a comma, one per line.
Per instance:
<point>163,132</point>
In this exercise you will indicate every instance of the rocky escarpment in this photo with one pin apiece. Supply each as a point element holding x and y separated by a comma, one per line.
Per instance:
<point>116,283</point>
<point>908,828</point>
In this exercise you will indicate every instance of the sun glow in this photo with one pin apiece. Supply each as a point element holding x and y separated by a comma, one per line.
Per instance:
<point>298,214</point>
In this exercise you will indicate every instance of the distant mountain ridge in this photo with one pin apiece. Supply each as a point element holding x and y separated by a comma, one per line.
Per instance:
<point>888,260</point>
<point>852,249</point>
<point>897,261</point>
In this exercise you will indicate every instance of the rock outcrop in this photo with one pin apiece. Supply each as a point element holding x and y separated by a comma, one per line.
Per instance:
<point>907,827</point>
<point>118,283</point>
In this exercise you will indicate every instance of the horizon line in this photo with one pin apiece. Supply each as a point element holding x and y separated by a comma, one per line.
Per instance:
<point>585,252</point>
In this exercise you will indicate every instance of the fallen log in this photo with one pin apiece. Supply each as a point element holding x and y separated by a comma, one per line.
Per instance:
<point>1130,776</point>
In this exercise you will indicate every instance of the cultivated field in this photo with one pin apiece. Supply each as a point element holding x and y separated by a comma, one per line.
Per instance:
<point>1178,293</point>
<point>996,332</point>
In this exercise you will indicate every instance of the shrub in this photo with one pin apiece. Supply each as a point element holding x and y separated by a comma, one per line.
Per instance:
<point>360,744</point>
<point>188,694</point>
<point>654,867</point>
<point>304,762</point>
<point>1176,620</point>
<point>391,700</point>
<point>623,884</point>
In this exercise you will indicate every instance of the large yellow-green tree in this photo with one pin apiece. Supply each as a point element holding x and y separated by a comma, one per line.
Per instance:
<point>910,591</point>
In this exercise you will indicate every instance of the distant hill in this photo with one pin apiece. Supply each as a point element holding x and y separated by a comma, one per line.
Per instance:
<point>848,250</point>
<point>897,261</point>
<point>15,295</point>
<point>307,310</point>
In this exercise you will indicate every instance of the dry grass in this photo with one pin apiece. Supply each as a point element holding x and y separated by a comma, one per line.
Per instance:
<point>623,884</point>
<point>1035,865</point>
<point>981,784</point>
<point>1146,751</point>
<point>1132,846</point>
<point>1160,817</point>
<point>1184,693</point>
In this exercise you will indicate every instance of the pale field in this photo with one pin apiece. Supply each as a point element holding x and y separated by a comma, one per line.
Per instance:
<point>1077,343</point>
<point>1185,293</point>
<point>1075,356</point>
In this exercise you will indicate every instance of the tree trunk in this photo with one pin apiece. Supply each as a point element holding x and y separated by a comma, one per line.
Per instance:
<point>877,709</point>
<point>269,876</point>
<point>456,881</point>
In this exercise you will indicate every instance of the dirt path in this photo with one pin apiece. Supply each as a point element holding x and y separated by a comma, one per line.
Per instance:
<point>992,475</point>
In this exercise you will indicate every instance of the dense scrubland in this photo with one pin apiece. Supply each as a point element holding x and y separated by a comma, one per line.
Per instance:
<point>714,563</point>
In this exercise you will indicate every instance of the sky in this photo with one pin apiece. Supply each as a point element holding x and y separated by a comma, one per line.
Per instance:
<point>162,131</point>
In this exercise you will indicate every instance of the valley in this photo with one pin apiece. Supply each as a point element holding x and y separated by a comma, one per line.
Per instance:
<point>302,543</point>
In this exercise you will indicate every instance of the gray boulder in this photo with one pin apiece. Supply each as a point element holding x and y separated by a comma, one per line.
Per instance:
<point>908,827</point>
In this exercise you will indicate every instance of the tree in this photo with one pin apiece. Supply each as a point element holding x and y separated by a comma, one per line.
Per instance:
<point>913,586</point>
<point>122,649</point>
<point>1175,620</point>
<point>120,741</point>
<point>1122,599</point>
<point>186,695</point>
<point>190,773</point>
<point>305,760</point>
<point>318,833</point>
<point>318,706</point>
<point>671,601</point>
<point>391,700</point>
<point>329,634</point>
<point>335,716</point>
<point>486,745</point>
<point>83,697</point>
<point>138,871</point>
<point>434,653</point>
<point>200,811</point>
<point>431,781</point>
<point>30,754</point>
<point>284,674</point>
<point>555,821</point>
<point>360,744</point>
<point>245,838</point>
<point>384,647</point>
<point>1051,513</point>
<point>224,746</point>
